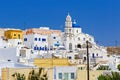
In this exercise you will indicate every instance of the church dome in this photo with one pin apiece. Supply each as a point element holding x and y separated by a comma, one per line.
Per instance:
<point>75,25</point>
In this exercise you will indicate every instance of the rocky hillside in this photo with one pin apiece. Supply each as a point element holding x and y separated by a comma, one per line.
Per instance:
<point>113,50</point>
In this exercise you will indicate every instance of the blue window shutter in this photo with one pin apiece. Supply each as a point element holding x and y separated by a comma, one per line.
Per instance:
<point>35,48</point>
<point>35,39</point>
<point>93,55</point>
<point>43,39</point>
<point>39,39</point>
<point>25,39</point>
<point>45,48</point>
<point>40,48</point>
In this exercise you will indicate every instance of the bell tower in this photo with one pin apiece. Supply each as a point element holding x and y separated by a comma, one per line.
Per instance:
<point>68,22</point>
<point>69,36</point>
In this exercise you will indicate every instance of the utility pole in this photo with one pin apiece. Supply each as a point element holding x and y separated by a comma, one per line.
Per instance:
<point>87,59</point>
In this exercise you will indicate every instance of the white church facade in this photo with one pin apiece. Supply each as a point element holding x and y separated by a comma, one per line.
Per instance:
<point>74,40</point>
<point>73,37</point>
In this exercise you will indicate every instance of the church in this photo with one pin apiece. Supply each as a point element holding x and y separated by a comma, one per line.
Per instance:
<point>73,37</point>
<point>74,41</point>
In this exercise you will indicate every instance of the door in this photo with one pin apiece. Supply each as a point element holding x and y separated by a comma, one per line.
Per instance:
<point>66,76</point>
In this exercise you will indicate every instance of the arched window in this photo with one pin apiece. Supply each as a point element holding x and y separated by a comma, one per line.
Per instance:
<point>70,46</point>
<point>90,39</point>
<point>78,38</point>
<point>93,55</point>
<point>78,46</point>
<point>83,39</point>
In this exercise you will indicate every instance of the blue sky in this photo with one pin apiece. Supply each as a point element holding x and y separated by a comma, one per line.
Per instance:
<point>100,18</point>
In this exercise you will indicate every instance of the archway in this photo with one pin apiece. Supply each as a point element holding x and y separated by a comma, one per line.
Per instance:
<point>70,46</point>
<point>78,46</point>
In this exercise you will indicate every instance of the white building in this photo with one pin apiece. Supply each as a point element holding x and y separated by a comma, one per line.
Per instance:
<point>73,37</point>
<point>9,54</point>
<point>36,41</point>
<point>15,42</point>
<point>26,55</point>
<point>65,73</point>
<point>42,39</point>
<point>74,41</point>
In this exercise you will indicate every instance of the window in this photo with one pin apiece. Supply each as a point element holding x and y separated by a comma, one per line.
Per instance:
<point>69,30</point>
<point>14,34</point>
<point>72,76</point>
<point>70,46</point>
<point>66,76</point>
<point>25,39</point>
<point>97,54</point>
<point>76,31</point>
<point>43,48</point>
<point>35,48</point>
<point>89,39</point>
<point>78,46</point>
<point>43,39</point>
<point>60,75</point>
<point>46,48</point>
<point>80,68</point>
<point>93,56</point>
<point>18,36</point>
<point>54,37</point>
<point>84,39</point>
<point>40,48</point>
<point>78,38</point>
<point>39,39</point>
<point>69,57</point>
<point>35,39</point>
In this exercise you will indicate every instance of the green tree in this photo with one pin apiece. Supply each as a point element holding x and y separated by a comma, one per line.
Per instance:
<point>103,68</point>
<point>40,75</point>
<point>19,76</point>
<point>113,76</point>
<point>118,67</point>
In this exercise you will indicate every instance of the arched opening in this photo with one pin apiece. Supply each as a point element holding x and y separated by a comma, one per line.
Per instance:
<point>93,55</point>
<point>70,46</point>
<point>78,46</point>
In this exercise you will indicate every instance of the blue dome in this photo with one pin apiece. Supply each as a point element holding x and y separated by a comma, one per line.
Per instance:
<point>75,25</point>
